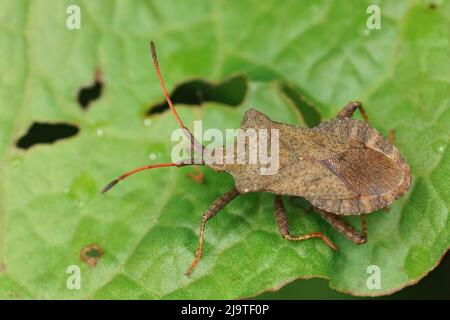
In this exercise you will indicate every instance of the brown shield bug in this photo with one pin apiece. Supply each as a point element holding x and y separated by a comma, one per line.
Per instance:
<point>342,167</point>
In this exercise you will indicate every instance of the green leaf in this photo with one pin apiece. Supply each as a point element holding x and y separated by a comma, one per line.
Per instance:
<point>148,227</point>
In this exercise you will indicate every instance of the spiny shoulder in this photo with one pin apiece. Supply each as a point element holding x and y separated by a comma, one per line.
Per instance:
<point>255,119</point>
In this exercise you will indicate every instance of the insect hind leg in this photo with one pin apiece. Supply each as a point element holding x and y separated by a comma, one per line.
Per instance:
<point>349,110</point>
<point>283,226</point>
<point>345,228</point>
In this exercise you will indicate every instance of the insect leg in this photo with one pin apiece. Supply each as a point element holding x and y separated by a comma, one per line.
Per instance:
<point>283,226</point>
<point>217,205</point>
<point>346,229</point>
<point>198,176</point>
<point>349,110</point>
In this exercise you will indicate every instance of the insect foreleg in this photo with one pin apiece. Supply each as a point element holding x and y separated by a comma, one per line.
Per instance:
<point>346,229</point>
<point>349,110</point>
<point>217,205</point>
<point>283,226</point>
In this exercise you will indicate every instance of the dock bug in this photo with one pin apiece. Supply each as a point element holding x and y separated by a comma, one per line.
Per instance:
<point>342,167</point>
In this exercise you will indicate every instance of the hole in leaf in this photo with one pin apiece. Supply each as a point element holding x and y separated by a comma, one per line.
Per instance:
<point>305,105</point>
<point>46,133</point>
<point>91,253</point>
<point>86,95</point>
<point>230,92</point>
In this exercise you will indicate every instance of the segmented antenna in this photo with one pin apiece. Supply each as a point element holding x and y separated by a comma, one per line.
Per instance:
<point>197,145</point>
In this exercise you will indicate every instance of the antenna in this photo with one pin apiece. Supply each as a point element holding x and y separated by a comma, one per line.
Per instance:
<point>197,145</point>
<point>194,142</point>
<point>163,86</point>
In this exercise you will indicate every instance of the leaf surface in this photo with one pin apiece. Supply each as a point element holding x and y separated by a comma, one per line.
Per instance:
<point>148,227</point>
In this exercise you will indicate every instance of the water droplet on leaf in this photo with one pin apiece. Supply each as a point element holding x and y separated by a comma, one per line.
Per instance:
<point>439,146</point>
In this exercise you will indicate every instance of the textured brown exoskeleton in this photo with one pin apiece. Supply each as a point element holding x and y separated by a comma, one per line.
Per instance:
<point>342,167</point>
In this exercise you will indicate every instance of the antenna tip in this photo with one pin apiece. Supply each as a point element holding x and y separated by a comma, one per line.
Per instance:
<point>109,186</point>
<point>153,49</point>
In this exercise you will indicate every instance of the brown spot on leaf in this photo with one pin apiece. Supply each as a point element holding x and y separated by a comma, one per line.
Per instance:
<point>91,253</point>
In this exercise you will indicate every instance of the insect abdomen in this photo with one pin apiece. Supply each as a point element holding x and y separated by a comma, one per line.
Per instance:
<point>376,171</point>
